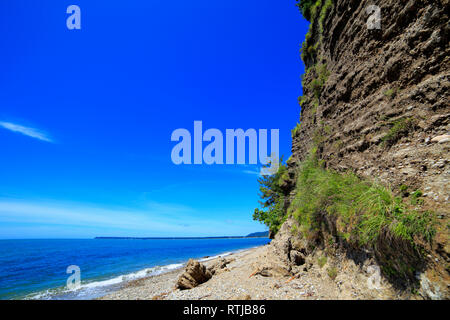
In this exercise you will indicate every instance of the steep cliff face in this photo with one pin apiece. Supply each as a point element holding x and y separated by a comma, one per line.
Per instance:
<point>376,102</point>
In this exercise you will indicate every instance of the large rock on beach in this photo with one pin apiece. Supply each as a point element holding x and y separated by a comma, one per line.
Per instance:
<point>195,274</point>
<point>219,266</point>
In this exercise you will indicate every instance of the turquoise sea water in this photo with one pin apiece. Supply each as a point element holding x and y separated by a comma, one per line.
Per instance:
<point>36,269</point>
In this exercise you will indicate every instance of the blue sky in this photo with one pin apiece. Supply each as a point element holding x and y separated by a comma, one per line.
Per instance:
<point>86,116</point>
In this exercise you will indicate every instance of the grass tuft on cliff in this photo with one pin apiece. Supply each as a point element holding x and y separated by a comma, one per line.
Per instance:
<point>399,128</point>
<point>295,130</point>
<point>319,81</point>
<point>363,211</point>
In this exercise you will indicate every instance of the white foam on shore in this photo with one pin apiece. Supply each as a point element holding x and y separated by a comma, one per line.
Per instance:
<point>94,289</point>
<point>226,254</point>
<point>217,256</point>
<point>133,276</point>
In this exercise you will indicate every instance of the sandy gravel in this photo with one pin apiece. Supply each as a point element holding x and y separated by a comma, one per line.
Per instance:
<point>238,282</point>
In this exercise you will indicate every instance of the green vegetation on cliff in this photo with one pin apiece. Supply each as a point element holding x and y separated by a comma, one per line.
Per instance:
<point>310,10</point>
<point>344,207</point>
<point>272,199</point>
<point>305,7</point>
<point>361,211</point>
<point>361,214</point>
<point>296,129</point>
<point>399,128</point>
<point>321,76</point>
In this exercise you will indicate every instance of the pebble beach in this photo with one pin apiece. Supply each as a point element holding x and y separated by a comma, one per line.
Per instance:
<point>238,281</point>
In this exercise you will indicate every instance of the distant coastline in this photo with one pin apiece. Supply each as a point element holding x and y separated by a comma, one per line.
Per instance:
<point>264,234</point>
<point>176,238</point>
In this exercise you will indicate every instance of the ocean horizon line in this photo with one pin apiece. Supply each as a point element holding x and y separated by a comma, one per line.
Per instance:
<point>177,238</point>
<point>142,238</point>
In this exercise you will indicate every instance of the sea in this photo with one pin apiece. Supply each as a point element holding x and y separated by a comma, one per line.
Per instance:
<point>40,269</point>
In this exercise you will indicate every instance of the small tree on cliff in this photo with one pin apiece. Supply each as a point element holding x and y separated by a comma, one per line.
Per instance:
<point>272,196</point>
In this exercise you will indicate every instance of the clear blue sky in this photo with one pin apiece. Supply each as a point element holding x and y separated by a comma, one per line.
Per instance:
<point>86,116</point>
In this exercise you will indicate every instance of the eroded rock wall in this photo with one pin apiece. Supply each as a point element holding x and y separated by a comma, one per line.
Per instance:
<point>384,102</point>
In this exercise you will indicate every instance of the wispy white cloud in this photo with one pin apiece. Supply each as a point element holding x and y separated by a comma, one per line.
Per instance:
<point>30,132</point>
<point>254,172</point>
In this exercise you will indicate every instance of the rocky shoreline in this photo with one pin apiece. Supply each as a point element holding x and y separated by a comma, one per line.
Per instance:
<point>164,286</point>
<point>260,274</point>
